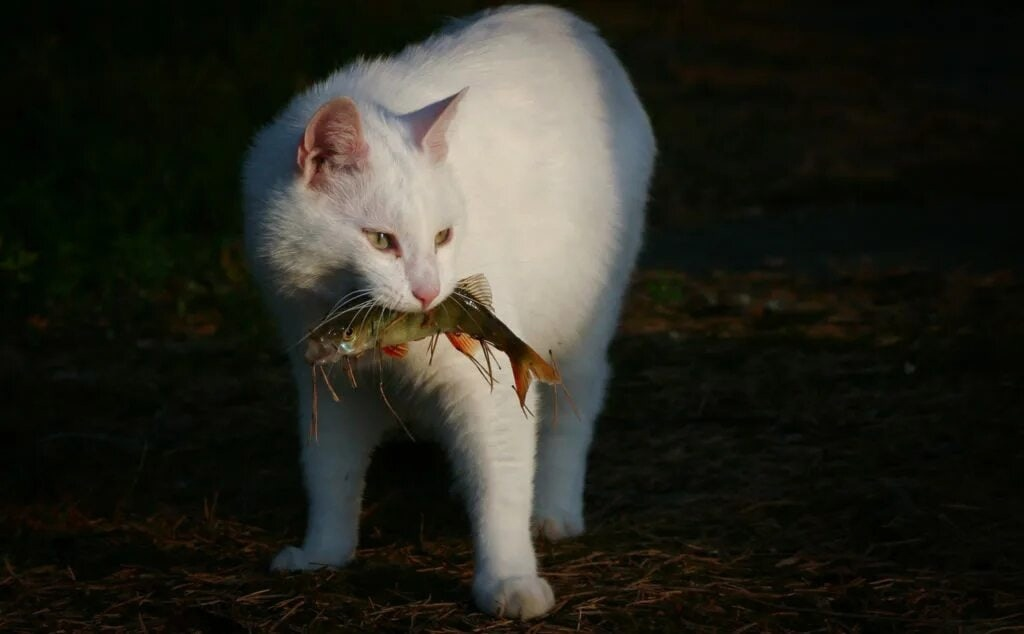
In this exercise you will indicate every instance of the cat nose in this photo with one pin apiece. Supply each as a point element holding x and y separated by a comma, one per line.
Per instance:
<point>425,294</point>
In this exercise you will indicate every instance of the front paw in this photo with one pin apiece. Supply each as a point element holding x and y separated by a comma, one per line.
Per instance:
<point>294,559</point>
<point>523,597</point>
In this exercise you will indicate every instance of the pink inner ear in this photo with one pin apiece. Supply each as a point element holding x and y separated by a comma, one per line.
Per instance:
<point>333,140</point>
<point>429,125</point>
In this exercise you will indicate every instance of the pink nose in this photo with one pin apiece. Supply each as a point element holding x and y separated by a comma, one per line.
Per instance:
<point>425,295</point>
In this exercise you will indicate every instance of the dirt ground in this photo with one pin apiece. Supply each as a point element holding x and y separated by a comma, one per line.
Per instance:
<point>778,454</point>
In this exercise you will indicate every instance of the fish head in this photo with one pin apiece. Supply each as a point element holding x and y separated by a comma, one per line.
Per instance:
<point>332,344</point>
<point>352,340</point>
<point>319,351</point>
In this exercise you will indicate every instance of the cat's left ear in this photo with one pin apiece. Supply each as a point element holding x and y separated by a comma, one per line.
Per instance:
<point>429,125</point>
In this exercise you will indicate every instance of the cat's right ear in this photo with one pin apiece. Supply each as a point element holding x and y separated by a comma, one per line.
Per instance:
<point>333,141</point>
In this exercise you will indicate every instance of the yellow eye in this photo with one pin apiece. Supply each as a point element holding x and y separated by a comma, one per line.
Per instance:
<point>443,237</point>
<point>381,240</point>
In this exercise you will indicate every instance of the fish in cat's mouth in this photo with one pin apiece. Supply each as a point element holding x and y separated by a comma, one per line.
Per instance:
<point>319,351</point>
<point>466,318</point>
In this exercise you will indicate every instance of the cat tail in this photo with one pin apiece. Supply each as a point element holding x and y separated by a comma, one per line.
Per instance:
<point>527,365</point>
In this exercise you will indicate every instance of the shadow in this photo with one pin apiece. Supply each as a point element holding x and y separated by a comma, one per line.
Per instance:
<point>833,450</point>
<point>411,497</point>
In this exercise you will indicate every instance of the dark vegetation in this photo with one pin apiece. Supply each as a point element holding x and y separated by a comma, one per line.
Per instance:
<point>840,452</point>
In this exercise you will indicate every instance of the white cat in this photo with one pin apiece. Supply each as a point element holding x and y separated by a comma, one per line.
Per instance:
<point>510,144</point>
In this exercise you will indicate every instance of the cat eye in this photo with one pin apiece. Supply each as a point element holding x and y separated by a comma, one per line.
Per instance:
<point>443,237</point>
<point>381,240</point>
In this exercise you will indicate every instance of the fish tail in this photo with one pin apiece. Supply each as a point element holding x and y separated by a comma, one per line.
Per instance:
<point>527,365</point>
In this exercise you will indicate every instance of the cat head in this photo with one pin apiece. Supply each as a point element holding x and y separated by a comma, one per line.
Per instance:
<point>377,203</point>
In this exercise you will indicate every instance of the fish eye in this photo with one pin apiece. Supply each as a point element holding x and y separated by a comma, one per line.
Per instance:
<point>380,240</point>
<point>443,237</point>
<point>347,334</point>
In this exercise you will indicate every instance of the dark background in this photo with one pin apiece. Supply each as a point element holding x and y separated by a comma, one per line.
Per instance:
<point>128,126</point>
<point>815,422</point>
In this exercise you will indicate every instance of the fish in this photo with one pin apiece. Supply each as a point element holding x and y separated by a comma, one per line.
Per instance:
<point>466,318</point>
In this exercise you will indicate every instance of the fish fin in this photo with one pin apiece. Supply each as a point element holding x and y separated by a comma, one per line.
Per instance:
<point>478,289</point>
<point>463,342</point>
<point>527,365</point>
<point>397,352</point>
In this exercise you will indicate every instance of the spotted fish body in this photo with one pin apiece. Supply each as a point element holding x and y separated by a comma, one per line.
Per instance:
<point>466,317</point>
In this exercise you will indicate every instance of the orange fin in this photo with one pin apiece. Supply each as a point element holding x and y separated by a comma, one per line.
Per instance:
<point>527,365</point>
<point>397,352</point>
<point>463,342</point>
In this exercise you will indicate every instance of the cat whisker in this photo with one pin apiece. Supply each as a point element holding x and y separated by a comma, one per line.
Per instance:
<point>359,292</point>
<point>340,305</point>
<point>335,312</point>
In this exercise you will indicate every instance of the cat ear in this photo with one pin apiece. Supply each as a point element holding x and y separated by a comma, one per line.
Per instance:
<point>333,140</point>
<point>429,125</point>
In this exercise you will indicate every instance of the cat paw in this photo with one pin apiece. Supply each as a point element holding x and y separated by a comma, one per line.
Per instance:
<point>296,559</point>
<point>555,526</point>
<point>523,597</point>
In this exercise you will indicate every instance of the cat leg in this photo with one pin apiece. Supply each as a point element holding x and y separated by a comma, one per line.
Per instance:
<point>492,445</point>
<point>562,448</point>
<point>334,467</point>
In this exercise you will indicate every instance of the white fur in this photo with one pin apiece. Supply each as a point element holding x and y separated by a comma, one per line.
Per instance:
<point>545,182</point>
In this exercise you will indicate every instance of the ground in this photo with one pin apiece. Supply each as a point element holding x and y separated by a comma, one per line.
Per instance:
<point>814,423</point>
<point>778,452</point>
